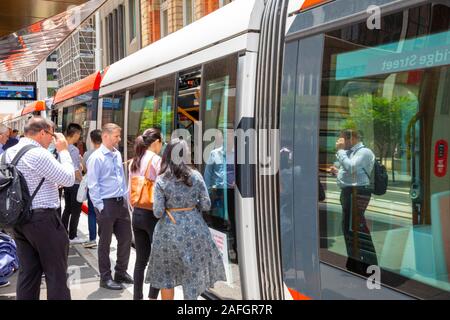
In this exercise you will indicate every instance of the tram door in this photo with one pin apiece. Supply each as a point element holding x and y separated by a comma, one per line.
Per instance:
<point>206,103</point>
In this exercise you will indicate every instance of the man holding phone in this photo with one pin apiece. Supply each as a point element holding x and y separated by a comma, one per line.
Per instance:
<point>42,243</point>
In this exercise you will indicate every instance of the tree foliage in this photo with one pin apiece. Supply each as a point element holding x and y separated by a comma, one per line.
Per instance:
<point>382,121</point>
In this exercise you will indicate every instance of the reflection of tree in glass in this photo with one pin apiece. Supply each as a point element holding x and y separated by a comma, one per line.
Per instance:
<point>151,118</point>
<point>388,118</point>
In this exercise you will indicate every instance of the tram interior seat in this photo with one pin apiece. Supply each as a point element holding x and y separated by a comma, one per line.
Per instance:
<point>425,251</point>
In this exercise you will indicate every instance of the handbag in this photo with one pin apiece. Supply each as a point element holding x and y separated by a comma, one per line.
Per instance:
<point>82,190</point>
<point>141,190</point>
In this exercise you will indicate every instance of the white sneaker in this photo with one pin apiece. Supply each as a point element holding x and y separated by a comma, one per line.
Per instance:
<point>4,284</point>
<point>77,240</point>
<point>90,244</point>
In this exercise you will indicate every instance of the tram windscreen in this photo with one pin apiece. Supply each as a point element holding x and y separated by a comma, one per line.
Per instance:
<point>385,105</point>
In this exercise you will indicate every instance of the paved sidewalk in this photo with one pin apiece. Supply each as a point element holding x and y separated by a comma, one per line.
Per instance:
<point>84,276</point>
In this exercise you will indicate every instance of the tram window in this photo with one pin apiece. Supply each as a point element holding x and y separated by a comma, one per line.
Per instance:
<point>142,114</point>
<point>113,112</point>
<point>164,92</point>
<point>84,114</point>
<point>387,98</point>
<point>188,102</point>
<point>218,108</point>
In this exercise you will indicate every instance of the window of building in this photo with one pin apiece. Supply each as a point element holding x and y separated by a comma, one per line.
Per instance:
<point>110,38</point>
<point>224,2</point>
<point>115,35</point>
<point>164,18</point>
<point>132,18</point>
<point>52,57</point>
<point>52,74</point>
<point>188,11</point>
<point>121,31</point>
<point>51,92</point>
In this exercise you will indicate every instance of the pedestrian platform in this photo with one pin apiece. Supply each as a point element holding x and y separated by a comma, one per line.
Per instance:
<point>83,274</point>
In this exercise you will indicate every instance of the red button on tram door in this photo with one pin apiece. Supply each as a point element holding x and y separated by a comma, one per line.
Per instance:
<point>440,158</point>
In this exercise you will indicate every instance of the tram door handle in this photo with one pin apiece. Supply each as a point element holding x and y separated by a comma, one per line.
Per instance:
<point>415,194</point>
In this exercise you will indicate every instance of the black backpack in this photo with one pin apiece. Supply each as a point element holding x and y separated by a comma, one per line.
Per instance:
<point>15,199</point>
<point>380,178</point>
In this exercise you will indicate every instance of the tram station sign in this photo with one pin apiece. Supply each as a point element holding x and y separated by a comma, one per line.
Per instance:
<point>13,90</point>
<point>412,54</point>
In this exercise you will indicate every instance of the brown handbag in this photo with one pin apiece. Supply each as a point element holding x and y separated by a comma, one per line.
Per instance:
<point>141,190</point>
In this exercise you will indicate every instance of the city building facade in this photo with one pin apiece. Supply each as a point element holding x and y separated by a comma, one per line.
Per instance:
<point>162,17</point>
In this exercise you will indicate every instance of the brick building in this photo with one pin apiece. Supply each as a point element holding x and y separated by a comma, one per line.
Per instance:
<point>162,17</point>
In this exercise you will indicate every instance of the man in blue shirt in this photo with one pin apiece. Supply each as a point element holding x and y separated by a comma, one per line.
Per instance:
<point>354,168</point>
<point>108,192</point>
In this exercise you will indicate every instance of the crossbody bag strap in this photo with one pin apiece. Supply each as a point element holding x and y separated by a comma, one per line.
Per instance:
<point>148,166</point>
<point>35,193</point>
<point>20,153</point>
<point>16,160</point>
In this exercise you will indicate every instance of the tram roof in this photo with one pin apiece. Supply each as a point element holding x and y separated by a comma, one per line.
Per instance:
<point>90,83</point>
<point>228,22</point>
<point>34,106</point>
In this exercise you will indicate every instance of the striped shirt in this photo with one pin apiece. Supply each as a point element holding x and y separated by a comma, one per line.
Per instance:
<point>39,163</point>
<point>353,165</point>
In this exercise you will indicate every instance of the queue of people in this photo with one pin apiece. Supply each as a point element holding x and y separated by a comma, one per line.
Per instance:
<point>171,237</point>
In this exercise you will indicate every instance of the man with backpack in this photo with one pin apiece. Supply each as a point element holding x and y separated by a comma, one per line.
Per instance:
<point>42,241</point>
<point>355,163</point>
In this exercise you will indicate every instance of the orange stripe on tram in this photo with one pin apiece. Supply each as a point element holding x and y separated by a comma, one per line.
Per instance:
<point>297,295</point>
<point>308,4</point>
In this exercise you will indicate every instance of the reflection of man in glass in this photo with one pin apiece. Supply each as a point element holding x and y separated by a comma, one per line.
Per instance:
<point>220,180</point>
<point>354,166</point>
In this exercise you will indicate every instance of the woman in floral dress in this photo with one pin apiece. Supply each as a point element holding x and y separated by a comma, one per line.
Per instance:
<point>183,251</point>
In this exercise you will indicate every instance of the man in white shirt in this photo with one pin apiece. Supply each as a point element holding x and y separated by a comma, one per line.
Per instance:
<point>42,243</point>
<point>355,165</point>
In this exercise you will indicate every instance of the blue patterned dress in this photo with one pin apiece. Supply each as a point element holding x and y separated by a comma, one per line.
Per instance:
<point>183,253</point>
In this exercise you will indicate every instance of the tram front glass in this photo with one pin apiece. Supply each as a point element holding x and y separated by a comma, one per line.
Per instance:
<point>113,112</point>
<point>388,91</point>
<point>81,110</point>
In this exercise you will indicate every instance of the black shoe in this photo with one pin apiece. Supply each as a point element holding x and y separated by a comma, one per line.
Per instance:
<point>123,278</point>
<point>111,285</point>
